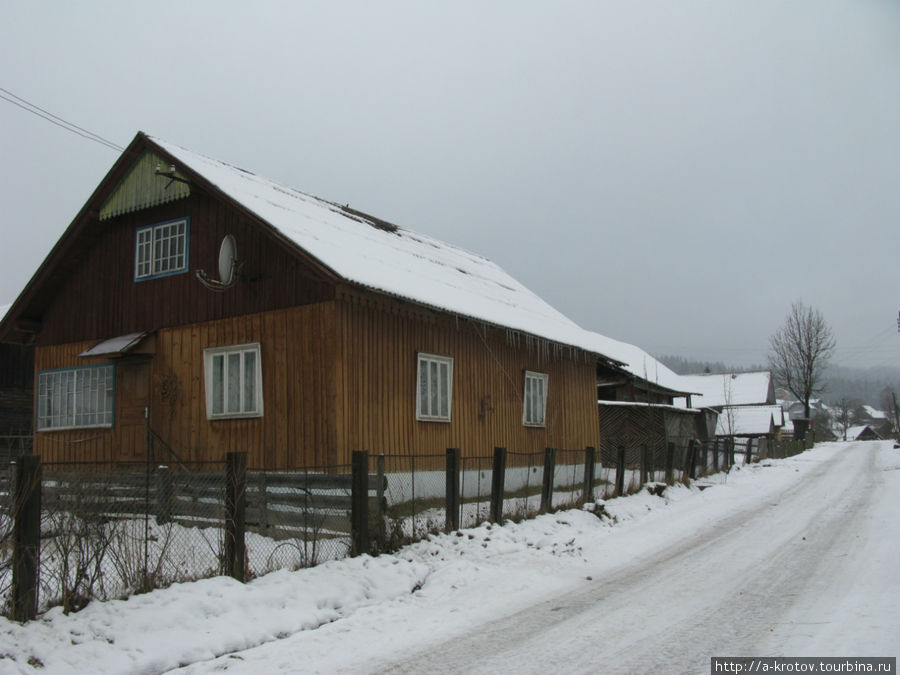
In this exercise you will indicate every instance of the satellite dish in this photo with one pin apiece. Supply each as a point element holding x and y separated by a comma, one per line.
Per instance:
<point>227,260</point>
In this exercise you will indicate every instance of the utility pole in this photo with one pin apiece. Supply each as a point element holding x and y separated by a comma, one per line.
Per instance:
<point>896,413</point>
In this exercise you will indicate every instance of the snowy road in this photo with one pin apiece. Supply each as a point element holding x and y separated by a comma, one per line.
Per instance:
<point>727,591</point>
<point>795,557</point>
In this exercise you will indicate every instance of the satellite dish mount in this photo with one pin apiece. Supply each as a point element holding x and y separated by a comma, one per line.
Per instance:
<point>229,267</point>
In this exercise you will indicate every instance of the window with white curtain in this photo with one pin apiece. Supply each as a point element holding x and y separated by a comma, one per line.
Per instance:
<point>435,388</point>
<point>535,406</point>
<point>233,381</point>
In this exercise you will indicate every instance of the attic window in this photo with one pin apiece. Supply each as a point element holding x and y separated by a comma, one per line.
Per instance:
<point>161,250</point>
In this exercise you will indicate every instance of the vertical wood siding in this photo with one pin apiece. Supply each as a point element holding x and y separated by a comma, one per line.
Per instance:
<point>123,442</point>
<point>340,376</point>
<point>297,427</point>
<point>380,343</point>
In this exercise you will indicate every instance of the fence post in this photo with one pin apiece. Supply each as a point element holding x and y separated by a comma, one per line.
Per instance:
<point>359,503</point>
<point>235,514</point>
<point>164,495</point>
<point>670,463</point>
<point>620,471</point>
<point>716,456</point>
<point>590,460</point>
<point>26,538</point>
<point>498,480</point>
<point>704,457</point>
<point>451,490</point>
<point>748,456</point>
<point>235,510</point>
<point>547,484</point>
<point>645,468</point>
<point>692,458</point>
<point>381,508</point>
<point>729,450</point>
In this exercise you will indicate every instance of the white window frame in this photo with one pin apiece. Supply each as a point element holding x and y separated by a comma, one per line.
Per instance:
<point>434,387</point>
<point>534,400</point>
<point>220,365</point>
<point>76,398</point>
<point>161,250</point>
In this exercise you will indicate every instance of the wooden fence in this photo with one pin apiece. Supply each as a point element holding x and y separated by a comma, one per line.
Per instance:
<point>338,503</point>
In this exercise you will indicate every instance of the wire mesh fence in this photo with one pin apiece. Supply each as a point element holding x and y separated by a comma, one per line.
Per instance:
<point>523,484</point>
<point>296,518</point>
<point>414,497</point>
<point>111,530</point>
<point>568,479</point>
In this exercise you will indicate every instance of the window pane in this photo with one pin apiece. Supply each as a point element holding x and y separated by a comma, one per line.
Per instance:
<point>432,388</point>
<point>423,387</point>
<point>249,381</point>
<point>539,401</point>
<point>444,387</point>
<point>234,382</point>
<point>218,384</point>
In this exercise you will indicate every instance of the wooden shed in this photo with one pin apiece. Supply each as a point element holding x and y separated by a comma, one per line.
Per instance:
<point>215,310</point>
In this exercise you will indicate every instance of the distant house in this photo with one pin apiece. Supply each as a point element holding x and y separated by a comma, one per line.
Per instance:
<point>730,389</point>
<point>877,419</point>
<point>217,311</point>
<point>862,433</point>
<point>751,421</point>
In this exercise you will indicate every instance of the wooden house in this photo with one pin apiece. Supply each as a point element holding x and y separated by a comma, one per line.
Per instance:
<point>213,310</point>
<point>862,432</point>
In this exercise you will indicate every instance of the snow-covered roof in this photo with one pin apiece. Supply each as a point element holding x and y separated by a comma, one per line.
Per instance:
<point>731,388</point>
<point>854,433</point>
<point>874,413</point>
<point>391,260</point>
<point>639,363</point>
<point>748,420</point>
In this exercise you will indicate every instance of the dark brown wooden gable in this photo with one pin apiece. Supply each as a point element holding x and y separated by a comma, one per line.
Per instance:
<point>85,287</point>
<point>100,297</point>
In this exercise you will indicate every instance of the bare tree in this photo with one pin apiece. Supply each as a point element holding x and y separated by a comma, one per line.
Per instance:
<point>799,352</point>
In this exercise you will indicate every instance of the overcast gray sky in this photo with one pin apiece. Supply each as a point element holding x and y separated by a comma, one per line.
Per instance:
<point>671,174</point>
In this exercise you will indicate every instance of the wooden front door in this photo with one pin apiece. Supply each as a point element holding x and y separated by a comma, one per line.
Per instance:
<point>133,402</point>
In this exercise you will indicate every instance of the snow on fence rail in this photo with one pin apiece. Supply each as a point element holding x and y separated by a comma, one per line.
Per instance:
<point>73,532</point>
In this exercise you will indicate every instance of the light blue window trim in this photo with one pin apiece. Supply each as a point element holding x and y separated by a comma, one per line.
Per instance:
<point>74,398</point>
<point>161,250</point>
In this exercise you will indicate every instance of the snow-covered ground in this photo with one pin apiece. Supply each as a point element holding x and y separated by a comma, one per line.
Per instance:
<point>794,557</point>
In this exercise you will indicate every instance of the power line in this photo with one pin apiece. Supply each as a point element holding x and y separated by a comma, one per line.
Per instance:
<point>55,119</point>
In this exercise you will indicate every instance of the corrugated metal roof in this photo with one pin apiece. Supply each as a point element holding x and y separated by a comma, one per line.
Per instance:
<point>143,187</point>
